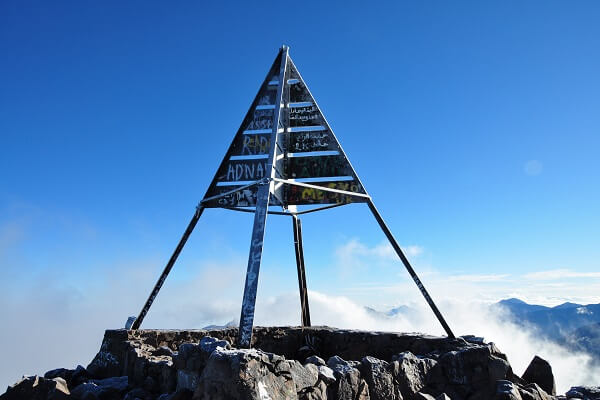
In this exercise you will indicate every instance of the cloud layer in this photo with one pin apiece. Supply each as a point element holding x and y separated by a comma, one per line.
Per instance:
<point>51,326</point>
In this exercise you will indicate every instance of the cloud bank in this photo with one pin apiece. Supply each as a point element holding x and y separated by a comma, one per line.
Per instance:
<point>51,325</point>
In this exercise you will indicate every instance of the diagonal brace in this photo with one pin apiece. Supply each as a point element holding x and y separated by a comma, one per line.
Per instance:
<point>409,268</point>
<point>163,276</point>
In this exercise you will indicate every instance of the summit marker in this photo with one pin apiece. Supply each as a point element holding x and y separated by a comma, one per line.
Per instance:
<point>285,155</point>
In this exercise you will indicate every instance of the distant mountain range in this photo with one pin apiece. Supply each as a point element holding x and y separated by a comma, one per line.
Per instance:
<point>576,326</point>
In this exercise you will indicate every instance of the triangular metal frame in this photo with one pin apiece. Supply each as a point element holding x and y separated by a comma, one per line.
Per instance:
<point>280,157</point>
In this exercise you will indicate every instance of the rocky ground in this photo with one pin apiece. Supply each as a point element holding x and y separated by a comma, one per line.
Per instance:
<point>291,363</point>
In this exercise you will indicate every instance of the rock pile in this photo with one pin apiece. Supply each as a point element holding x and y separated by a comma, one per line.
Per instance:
<point>291,363</point>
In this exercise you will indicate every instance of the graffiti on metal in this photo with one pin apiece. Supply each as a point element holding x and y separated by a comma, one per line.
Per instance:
<point>304,116</point>
<point>301,142</point>
<point>318,167</point>
<point>303,195</point>
<point>263,119</point>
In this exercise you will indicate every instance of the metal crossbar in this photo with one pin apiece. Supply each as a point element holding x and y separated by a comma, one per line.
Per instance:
<point>323,188</point>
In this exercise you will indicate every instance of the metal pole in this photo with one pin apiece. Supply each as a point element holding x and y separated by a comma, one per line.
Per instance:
<point>297,226</point>
<point>409,268</point>
<point>163,276</point>
<point>254,258</point>
<point>260,218</point>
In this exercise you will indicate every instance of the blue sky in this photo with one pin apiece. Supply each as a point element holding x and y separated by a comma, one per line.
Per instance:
<point>473,125</point>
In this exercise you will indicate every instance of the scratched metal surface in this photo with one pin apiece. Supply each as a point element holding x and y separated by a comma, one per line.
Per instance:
<point>303,129</point>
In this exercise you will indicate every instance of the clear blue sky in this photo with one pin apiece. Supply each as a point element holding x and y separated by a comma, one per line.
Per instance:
<point>474,125</point>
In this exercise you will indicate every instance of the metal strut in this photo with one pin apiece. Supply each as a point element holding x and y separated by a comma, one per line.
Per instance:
<point>297,226</point>
<point>163,276</point>
<point>409,268</point>
<point>260,218</point>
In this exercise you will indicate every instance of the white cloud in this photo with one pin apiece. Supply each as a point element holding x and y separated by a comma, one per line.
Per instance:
<point>464,317</point>
<point>478,278</point>
<point>355,254</point>
<point>558,274</point>
<point>61,326</point>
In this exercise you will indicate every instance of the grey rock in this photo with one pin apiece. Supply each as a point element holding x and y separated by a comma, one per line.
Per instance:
<point>539,371</point>
<point>118,384</point>
<point>316,360</point>
<point>101,389</point>
<point>61,385</point>
<point>86,391</point>
<point>59,372</point>
<point>187,380</point>
<point>349,383</point>
<point>245,374</point>
<point>473,339</point>
<point>37,388</point>
<point>209,344</point>
<point>183,394</point>
<point>533,392</point>
<point>584,392</point>
<point>104,365</point>
<point>378,376</point>
<point>141,364</point>
<point>410,372</point>
<point>138,393</point>
<point>318,392</point>
<point>340,366</point>
<point>506,390</point>
<point>163,351</point>
<point>423,396</point>
<point>190,357</point>
<point>303,376</point>
<point>326,374</point>
<point>150,384</point>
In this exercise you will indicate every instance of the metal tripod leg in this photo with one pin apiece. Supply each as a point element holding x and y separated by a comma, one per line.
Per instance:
<point>254,258</point>
<point>163,276</point>
<point>409,268</point>
<point>297,226</point>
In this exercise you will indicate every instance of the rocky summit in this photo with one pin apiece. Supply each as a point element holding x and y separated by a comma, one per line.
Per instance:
<point>294,363</point>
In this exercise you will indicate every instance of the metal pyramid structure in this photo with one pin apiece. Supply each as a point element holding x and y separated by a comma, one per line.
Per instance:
<point>284,154</point>
<point>303,149</point>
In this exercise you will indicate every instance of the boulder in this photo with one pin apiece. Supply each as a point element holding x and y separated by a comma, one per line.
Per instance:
<point>138,394</point>
<point>472,371</point>
<point>315,360</point>
<point>104,365</point>
<point>584,392</point>
<point>140,364</point>
<point>533,392</point>
<point>304,376</point>
<point>506,390</point>
<point>378,376</point>
<point>318,392</point>
<point>191,359</point>
<point>539,371</point>
<point>423,396</point>
<point>410,372</point>
<point>102,389</point>
<point>209,344</point>
<point>187,380</point>
<point>326,374</point>
<point>37,388</point>
<point>246,374</point>
<point>348,385</point>
<point>73,377</point>
<point>163,351</point>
